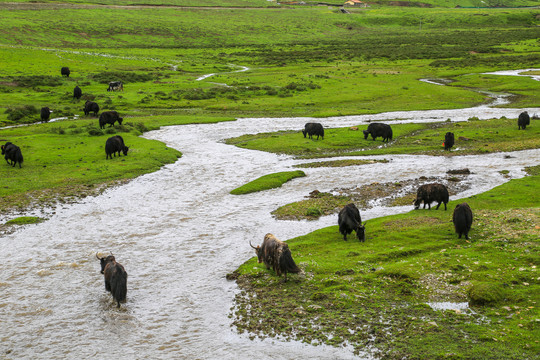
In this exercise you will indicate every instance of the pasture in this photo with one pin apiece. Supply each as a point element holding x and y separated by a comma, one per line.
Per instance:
<point>182,63</point>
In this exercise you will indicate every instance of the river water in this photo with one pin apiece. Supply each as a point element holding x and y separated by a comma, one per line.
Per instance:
<point>178,232</point>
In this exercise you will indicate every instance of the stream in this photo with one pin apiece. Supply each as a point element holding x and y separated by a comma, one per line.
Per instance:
<point>178,232</point>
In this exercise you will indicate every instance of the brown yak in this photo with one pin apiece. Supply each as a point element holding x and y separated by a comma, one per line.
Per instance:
<point>276,254</point>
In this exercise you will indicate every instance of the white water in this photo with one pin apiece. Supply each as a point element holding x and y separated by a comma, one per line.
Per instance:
<point>178,232</point>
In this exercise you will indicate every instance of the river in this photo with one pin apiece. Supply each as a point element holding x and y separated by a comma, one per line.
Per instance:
<point>178,232</point>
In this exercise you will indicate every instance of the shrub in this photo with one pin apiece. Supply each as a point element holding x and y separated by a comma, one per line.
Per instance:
<point>16,114</point>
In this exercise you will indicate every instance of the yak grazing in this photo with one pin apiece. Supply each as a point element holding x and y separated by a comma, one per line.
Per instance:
<point>312,129</point>
<point>378,129</point>
<point>523,120</point>
<point>109,117</point>
<point>65,71</point>
<point>462,219</point>
<point>12,153</point>
<point>115,144</point>
<point>348,220</point>
<point>276,255</point>
<point>115,278</point>
<point>90,106</point>
<point>429,193</point>
<point>77,92</point>
<point>448,140</point>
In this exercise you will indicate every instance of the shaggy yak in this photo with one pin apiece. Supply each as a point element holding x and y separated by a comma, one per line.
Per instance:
<point>12,153</point>
<point>348,220</point>
<point>378,129</point>
<point>276,255</point>
<point>429,193</point>
<point>448,140</point>
<point>523,120</point>
<point>462,219</point>
<point>113,145</point>
<point>312,129</point>
<point>45,113</point>
<point>115,278</point>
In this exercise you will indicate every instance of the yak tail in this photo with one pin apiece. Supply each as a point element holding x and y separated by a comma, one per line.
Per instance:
<point>286,262</point>
<point>119,287</point>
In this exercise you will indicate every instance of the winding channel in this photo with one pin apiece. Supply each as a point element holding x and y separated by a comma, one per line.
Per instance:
<point>178,232</point>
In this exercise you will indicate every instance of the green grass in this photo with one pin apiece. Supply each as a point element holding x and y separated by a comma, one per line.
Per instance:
<point>23,220</point>
<point>267,182</point>
<point>373,295</point>
<point>472,137</point>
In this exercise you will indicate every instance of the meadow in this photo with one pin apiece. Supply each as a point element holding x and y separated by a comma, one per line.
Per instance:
<point>308,61</point>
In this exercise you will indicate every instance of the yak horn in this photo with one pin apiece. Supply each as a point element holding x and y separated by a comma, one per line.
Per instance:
<point>251,245</point>
<point>98,257</point>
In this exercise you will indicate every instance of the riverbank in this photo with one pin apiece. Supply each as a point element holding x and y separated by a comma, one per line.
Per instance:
<point>413,289</point>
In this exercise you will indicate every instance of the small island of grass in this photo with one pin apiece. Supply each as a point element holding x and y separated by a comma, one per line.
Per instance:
<point>267,182</point>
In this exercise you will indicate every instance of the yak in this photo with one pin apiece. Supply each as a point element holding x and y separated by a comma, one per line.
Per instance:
<point>115,86</point>
<point>462,219</point>
<point>311,129</point>
<point>77,92</point>
<point>65,71</point>
<point>45,113</point>
<point>378,129</point>
<point>12,153</point>
<point>115,144</point>
<point>448,141</point>
<point>115,277</point>
<point>91,106</point>
<point>276,255</point>
<point>523,120</point>
<point>429,193</point>
<point>348,220</point>
<point>109,117</point>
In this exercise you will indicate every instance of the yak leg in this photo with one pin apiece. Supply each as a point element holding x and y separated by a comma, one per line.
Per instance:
<point>439,204</point>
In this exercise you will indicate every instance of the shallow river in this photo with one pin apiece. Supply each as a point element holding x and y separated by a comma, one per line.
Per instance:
<point>178,232</point>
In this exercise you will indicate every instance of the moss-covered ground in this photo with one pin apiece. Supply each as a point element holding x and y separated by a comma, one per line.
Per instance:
<point>376,296</point>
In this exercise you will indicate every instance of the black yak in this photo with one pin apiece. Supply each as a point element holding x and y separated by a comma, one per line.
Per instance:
<point>348,220</point>
<point>115,86</point>
<point>115,278</point>
<point>523,120</point>
<point>429,193</point>
<point>12,153</point>
<point>378,129</point>
<point>312,129</point>
<point>91,106</point>
<point>448,140</point>
<point>45,113</point>
<point>276,255</point>
<point>77,92</point>
<point>462,219</point>
<point>109,117</point>
<point>65,71</point>
<point>115,144</point>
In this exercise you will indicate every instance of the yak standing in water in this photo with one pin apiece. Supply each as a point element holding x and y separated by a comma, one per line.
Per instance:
<point>348,220</point>
<point>462,219</point>
<point>115,278</point>
<point>277,255</point>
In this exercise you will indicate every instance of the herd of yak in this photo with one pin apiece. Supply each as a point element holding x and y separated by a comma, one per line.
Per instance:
<point>273,252</point>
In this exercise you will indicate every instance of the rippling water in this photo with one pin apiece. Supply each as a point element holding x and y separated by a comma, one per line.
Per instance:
<point>178,231</point>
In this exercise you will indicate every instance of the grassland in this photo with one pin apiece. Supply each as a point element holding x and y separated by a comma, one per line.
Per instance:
<point>266,182</point>
<point>374,296</point>
<point>307,61</point>
<point>472,137</point>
